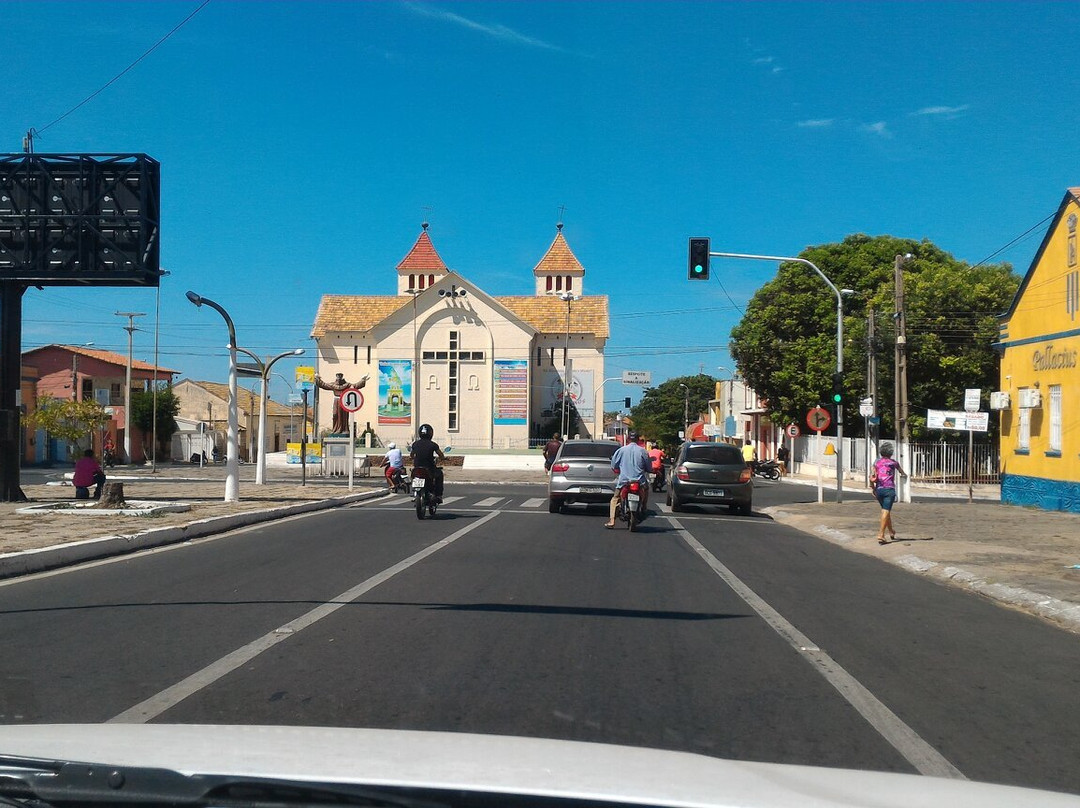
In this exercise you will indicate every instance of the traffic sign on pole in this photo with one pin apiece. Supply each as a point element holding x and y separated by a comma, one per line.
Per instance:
<point>352,400</point>
<point>818,419</point>
<point>792,430</point>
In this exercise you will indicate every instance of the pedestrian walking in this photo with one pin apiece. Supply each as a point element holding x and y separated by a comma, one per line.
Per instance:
<point>551,448</point>
<point>883,481</point>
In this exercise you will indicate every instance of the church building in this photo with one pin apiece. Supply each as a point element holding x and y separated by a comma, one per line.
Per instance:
<point>485,371</point>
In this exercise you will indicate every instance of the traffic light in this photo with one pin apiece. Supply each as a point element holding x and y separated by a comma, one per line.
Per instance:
<point>698,270</point>
<point>838,388</point>
<point>627,402</point>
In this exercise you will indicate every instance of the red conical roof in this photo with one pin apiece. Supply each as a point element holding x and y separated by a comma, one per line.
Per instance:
<point>422,257</point>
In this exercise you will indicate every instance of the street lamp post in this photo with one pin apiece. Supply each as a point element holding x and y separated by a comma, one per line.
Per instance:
<point>157,328</point>
<point>415,293</point>
<point>569,297</point>
<point>264,375</point>
<point>839,351</point>
<point>232,448</point>
<point>730,399</point>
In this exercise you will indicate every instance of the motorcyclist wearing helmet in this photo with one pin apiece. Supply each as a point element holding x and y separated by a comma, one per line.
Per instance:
<point>424,452</point>
<point>394,464</point>
<point>631,462</point>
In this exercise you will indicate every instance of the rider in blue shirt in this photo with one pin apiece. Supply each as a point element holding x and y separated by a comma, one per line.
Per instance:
<point>631,462</point>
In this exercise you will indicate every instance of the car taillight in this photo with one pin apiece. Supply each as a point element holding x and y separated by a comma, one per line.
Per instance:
<point>746,475</point>
<point>560,467</point>
<point>682,473</point>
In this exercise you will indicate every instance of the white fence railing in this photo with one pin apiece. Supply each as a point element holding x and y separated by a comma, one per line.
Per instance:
<point>931,462</point>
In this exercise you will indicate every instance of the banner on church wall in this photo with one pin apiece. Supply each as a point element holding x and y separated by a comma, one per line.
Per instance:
<point>582,393</point>
<point>511,392</point>
<point>395,391</point>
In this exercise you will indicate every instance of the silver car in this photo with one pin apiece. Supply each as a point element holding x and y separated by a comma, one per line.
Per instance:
<point>581,472</point>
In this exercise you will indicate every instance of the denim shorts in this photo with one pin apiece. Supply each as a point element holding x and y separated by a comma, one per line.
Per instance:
<point>886,496</point>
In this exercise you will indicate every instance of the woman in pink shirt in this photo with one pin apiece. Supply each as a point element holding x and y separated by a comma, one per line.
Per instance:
<point>883,481</point>
<point>87,473</point>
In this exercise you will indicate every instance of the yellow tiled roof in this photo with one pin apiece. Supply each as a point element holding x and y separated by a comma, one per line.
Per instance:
<point>559,259</point>
<point>589,315</point>
<point>246,399</point>
<point>354,312</point>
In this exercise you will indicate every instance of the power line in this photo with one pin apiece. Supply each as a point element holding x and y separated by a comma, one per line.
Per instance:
<point>119,75</point>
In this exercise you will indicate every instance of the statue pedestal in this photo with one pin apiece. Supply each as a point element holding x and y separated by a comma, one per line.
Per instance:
<point>337,455</point>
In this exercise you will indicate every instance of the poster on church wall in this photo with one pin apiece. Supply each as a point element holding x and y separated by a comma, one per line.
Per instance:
<point>511,392</point>
<point>395,391</point>
<point>581,393</point>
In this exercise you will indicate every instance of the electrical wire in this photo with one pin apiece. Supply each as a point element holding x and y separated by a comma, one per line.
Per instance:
<point>120,75</point>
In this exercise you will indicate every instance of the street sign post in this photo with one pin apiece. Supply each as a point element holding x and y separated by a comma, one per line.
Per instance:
<point>818,419</point>
<point>793,430</point>
<point>352,400</point>
<point>972,396</point>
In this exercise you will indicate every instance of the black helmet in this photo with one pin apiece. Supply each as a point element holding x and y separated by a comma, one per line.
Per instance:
<point>631,436</point>
<point>426,431</point>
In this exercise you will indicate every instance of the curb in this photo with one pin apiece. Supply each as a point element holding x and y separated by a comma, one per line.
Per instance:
<point>27,562</point>
<point>1063,612</point>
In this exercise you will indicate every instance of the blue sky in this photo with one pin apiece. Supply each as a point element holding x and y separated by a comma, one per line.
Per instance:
<point>303,143</point>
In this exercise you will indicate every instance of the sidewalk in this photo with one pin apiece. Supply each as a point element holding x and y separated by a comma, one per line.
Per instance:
<point>1021,557</point>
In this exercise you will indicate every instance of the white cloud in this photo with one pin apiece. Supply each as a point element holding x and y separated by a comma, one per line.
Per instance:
<point>817,123</point>
<point>500,32</point>
<point>879,128</point>
<point>950,112</point>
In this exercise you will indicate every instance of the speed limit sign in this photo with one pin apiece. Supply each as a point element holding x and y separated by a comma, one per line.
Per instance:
<point>352,400</point>
<point>793,430</point>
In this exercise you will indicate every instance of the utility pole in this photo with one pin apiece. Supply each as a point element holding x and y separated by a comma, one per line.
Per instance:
<point>903,428</point>
<point>871,383</point>
<point>130,328</point>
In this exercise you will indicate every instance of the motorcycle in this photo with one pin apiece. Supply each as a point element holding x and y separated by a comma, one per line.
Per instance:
<point>399,480</point>
<point>423,493</point>
<point>769,469</point>
<point>659,477</point>
<point>108,458</point>
<point>629,507</point>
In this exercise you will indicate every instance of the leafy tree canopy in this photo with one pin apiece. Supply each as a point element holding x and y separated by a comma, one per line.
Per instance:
<point>785,345</point>
<point>659,414</point>
<point>142,413</point>
<point>68,420</point>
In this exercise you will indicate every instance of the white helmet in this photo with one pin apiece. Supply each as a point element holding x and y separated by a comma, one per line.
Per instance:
<point>391,445</point>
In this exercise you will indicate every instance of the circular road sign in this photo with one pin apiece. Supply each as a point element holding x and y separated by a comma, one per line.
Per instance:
<point>352,400</point>
<point>792,430</point>
<point>818,419</point>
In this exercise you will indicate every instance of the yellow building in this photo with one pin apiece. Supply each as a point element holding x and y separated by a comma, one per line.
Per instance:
<point>1039,398</point>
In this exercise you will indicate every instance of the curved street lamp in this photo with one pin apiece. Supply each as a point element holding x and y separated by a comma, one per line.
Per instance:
<point>264,374</point>
<point>232,448</point>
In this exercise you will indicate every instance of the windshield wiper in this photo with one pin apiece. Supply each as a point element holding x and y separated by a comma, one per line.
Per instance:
<point>34,782</point>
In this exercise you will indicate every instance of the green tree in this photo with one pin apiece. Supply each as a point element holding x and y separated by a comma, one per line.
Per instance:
<point>785,345</point>
<point>142,414</point>
<point>70,421</point>
<point>659,414</point>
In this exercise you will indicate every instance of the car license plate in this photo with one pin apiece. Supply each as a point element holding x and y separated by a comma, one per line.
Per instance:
<point>592,489</point>
<point>713,492</point>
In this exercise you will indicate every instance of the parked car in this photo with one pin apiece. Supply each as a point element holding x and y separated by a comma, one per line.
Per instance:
<point>713,474</point>
<point>581,473</point>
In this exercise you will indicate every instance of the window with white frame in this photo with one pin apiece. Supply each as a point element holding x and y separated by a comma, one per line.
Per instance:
<point>1055,418</point>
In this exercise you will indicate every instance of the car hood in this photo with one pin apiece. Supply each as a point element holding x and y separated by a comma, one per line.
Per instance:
<point>496,764</point>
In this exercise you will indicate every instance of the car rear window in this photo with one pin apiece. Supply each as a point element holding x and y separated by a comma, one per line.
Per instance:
<point>603,449</point>
<point>719,455</point>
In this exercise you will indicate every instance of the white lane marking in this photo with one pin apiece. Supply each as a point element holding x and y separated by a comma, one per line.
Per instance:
<point>489,502</point>
<point>173,695</point>
<point>534,503</point>
<point>888,724</point>
<point>448,500</point>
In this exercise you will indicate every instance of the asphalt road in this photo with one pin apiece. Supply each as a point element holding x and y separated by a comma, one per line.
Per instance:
<point>728,636</point>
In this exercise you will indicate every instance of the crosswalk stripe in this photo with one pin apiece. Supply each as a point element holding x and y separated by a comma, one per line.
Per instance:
<point>489,502</point>
<point>448,500</point>
<point>534,503</point>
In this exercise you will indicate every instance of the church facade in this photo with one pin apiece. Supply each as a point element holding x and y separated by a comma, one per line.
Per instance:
<point>485,371</point>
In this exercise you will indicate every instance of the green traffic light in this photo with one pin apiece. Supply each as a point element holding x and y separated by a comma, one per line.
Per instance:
<point>836,398</point>
<point>698,269</point>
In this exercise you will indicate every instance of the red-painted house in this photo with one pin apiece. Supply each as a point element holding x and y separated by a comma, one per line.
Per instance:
<point>87,374</point>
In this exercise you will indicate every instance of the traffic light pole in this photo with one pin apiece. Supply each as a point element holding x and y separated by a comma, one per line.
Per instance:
<point>839,353</point>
